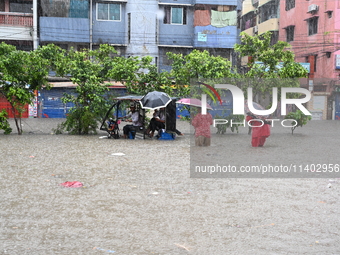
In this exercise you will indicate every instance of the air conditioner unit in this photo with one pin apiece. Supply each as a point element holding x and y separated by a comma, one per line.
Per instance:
<point>255,29</point>
<point>313,8</point>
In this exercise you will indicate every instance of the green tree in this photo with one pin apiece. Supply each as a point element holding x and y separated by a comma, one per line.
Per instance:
<point>198,66</point>
<point>88,69</point>
<point>277,67</point>
<point>299,118</point>
<point>21,74</point>
<point>139,75</point>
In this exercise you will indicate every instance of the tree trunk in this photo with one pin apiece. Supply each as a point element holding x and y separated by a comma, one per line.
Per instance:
<point>17,121</point>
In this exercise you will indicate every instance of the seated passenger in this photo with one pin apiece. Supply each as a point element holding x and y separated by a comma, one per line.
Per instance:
<point>157,122</point>
<point>134,118</point>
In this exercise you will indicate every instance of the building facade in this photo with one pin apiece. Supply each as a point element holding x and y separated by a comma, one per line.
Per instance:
<point>260,16</point>
<point>16,23</point>
<point>312,30</point>
<point>134,28</point>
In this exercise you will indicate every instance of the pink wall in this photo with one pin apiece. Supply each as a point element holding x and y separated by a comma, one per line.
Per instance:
<point>326,39</point>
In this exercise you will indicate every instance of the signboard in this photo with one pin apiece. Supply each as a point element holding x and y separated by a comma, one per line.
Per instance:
<point>316,115</point>
<point>202,37</point>
<point>33,108</point>
<point>337,61</point>
<point>319,102</point>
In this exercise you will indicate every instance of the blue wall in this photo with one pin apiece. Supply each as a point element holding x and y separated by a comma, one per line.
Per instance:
<point>214,37</point>
<point>64,29</point>
<point>337,106</point>
<point>51,106</point>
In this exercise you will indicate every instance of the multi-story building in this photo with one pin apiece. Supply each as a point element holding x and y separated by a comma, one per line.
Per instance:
<point>260,16</point>
<point>139,28</point>
<point>312,29</point>
<point>17,23</point>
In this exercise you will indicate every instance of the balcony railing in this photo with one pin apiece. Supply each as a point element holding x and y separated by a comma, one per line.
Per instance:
<point>16,19</point>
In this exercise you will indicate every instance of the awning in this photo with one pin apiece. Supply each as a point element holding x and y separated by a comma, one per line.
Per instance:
<point>175,4</point>
<point>175,46</point>
<point>315,16</point>
<point>288,26</point>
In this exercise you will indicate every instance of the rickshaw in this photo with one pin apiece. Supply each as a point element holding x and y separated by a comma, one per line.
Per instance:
<point>112,119</point>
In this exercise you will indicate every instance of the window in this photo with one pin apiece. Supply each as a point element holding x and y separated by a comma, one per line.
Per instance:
<point>21,6</point>
<point>129,27</point>
<point>274,37</point>
<point>2,6</point>
<point>248,21</point>
<point>290,4</point>
<point>108,11</point>
<point>269,11</point>
<point>290,33</point>
<point>175,15</point>
<point>329,13</point>
<point>313,25</point>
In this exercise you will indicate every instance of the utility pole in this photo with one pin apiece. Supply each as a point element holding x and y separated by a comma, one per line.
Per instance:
<point>35,25</point>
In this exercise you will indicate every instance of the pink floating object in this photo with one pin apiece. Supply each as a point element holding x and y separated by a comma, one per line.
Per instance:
<point>72,184</point>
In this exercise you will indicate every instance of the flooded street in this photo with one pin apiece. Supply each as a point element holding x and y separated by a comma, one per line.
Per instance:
<point>138,198</point>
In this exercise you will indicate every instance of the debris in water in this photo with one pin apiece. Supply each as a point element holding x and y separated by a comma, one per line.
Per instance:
<point>75,184</point>
<point>182,246</point>
<point>117,154</point>
<point>101,249</point>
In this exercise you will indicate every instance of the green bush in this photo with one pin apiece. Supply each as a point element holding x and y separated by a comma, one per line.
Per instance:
<point>4,124</point>
<point>222,128</point>
<point>300,118</point>
<point>79,121</point>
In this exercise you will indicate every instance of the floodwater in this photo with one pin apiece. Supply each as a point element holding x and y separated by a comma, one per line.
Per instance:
<point>138,197</point>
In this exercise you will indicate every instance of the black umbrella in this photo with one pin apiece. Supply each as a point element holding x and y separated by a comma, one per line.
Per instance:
<point>155,100</point>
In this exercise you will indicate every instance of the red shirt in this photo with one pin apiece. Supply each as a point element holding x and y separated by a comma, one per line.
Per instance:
<point>202,124</point>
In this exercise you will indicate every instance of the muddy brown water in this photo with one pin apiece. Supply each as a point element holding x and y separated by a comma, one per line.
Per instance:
<point>144,202</point>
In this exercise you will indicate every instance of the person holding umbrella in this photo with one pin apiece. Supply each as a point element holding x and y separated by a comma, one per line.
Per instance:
<point>202,123</point>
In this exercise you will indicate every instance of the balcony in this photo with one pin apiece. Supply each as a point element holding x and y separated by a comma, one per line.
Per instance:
<point>16,19</point>
<point>268,25</point>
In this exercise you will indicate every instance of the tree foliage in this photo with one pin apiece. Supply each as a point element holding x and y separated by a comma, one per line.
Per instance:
<point>198,66</point>
<point>299,117</point>
<point>141,76</point>
<point>88,69</point>
<point>21,74</point>
<point>4,124</point>
<point>269,65</point>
